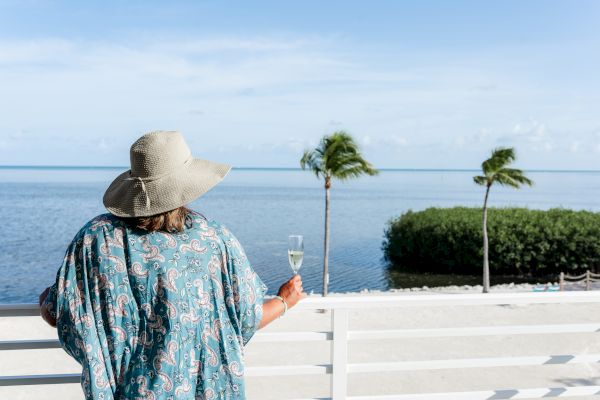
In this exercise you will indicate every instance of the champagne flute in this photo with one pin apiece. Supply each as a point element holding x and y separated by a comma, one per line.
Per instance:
<point>295,252</point>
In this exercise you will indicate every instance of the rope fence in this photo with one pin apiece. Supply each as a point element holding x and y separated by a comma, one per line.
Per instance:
<point>586,279</point>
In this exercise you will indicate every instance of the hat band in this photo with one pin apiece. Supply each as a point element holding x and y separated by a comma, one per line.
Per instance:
<point>155,177</point>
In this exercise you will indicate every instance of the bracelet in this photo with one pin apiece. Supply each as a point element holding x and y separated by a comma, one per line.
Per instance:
<point>284,305</point>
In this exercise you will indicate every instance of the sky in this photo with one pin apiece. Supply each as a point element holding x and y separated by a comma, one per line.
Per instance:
<point>418,84</point>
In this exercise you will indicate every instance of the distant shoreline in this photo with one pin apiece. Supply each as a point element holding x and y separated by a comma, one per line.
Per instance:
<point>108,167</point>
<point>548,286</point>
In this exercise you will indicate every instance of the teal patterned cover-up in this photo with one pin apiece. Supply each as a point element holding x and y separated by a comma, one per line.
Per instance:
<point>156,315</point>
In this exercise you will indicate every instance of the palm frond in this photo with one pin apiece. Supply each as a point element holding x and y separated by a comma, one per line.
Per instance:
<point>339,145</point>
<point>517,175</point>
<point>512,177</point>
<point>311,160</point>
<point>355,169</point>
<point>480,180</point>
<point>338,156</point>
<point>495,169</point>
<point>506,180</point>
<point>500,158</point>
<point>507,154</point>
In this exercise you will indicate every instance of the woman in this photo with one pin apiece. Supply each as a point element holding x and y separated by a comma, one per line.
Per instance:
<point>154,300</point>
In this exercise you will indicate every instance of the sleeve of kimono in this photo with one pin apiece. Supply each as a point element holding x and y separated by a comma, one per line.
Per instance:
<point>66,295</point>
<point>248,289</point>
<point>76,320</point>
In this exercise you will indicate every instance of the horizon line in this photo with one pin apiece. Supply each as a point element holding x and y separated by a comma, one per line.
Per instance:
<point>407,169</point>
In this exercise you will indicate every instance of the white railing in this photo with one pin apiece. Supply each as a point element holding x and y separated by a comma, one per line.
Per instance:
<point>339,368</point>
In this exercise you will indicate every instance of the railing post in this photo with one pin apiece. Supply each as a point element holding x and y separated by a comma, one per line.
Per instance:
<point>339,354</point>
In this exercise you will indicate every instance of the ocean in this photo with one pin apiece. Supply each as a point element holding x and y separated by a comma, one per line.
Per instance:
<point>41,209</point>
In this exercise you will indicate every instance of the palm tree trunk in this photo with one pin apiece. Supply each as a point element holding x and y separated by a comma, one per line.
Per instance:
<point>486,262</point>
<point>326,244</point>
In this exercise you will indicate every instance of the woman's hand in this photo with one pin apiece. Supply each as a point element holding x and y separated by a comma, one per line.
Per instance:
<point>44,311</point>
<point>292,291</point>
<point>43,295</point>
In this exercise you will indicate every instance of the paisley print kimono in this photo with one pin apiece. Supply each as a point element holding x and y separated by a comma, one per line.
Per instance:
<point>156,315</point>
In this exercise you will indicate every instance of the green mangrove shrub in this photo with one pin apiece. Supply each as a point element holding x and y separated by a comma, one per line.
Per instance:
<point>521,241</point>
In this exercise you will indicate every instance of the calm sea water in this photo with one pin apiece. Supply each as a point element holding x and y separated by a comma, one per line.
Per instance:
<point>41,209</point>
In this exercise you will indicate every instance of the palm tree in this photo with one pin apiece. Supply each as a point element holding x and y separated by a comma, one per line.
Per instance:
<point>495,170</point>
<point>337,156</point>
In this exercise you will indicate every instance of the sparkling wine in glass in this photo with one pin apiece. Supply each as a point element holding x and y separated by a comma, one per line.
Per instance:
<point>295,252</point>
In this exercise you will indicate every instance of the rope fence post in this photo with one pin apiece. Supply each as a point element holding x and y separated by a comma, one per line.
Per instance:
<point>587,280</point>
<point>561,281</point>
<point>339,354</point>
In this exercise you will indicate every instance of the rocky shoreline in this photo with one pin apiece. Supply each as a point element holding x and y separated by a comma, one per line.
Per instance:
<point>504,287</point>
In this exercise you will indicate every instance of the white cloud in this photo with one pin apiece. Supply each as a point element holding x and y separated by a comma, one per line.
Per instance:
<point>15,138</point>
<point>574,148</point>
<point>103,144</point>
<point>531,133</point>
<point>531,130</point>
<point>459,141</point>
<point>273,97</point>
<point>396,140</point>
<point>222,44</point>
<point>197,63</point>
<point>482,135</point>
<point>296,145</point>
<point>45,50</point>
<point>366,140</point>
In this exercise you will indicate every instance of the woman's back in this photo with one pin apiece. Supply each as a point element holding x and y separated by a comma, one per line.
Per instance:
<point>154,300</point>
<point>156,314</point>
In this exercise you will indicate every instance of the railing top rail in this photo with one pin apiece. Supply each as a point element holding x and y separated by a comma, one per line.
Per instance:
<point>18,306</point>
<point>453,299</point>
<point>389,300</point>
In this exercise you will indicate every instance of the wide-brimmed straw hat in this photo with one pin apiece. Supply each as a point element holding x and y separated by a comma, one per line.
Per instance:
<point>163,176</point>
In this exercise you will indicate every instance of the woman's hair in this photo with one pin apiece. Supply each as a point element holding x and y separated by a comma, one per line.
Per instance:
<point>169,221</point>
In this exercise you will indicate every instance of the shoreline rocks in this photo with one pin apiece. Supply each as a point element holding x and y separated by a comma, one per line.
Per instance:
<point>503,287</point>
